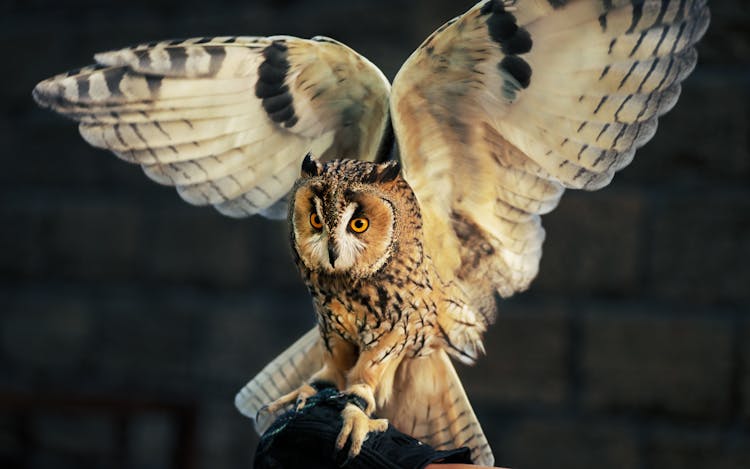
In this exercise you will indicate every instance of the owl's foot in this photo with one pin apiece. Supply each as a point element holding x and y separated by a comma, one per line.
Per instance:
<point>298,396</point>
<point>355,428</point>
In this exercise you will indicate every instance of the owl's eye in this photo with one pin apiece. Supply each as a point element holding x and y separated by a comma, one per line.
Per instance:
<point>359,224</point>
<point>315,221</point>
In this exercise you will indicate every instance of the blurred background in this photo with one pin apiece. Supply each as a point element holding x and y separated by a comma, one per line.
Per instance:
<point>128,319</point>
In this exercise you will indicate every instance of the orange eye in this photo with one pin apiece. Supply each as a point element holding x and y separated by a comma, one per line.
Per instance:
<point>315,221</point>
<point>359,224</point>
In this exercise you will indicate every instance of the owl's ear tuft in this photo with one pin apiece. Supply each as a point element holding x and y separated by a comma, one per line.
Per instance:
<point>311,166</point>
<point>386,172</point>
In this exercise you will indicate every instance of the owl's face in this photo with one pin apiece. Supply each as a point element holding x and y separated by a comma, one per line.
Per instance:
<point>343,216</point>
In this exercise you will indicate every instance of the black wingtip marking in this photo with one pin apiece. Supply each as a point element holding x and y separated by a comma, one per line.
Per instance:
<point>311,166</point>
<point>282,116</point>
<point>518,69</point>
<point>493,6</point>
<point>265,90</point>
<point>272,73</point>
<point>504,30</point>
<point>519,43</point>
<point>502,27</point>
<point>278,102</point>
<point>273,104</point>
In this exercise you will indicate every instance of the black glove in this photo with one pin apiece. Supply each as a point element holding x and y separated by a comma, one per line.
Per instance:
<point>306,439</point>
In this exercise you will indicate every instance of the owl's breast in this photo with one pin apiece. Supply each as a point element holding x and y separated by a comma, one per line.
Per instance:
<point>364,313</point>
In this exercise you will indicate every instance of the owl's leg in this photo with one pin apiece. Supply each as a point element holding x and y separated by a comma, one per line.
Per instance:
<point>337,358</point>
<point>362,380</point>
<point>356,423</point>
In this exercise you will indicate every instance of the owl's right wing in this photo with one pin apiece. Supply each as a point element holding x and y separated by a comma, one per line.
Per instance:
<point>227,120</point>
<point>503,108</point>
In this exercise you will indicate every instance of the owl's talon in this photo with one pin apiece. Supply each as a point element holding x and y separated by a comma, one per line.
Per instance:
<point>301,401</point>
<point>355,428</point>
<point>262,413</point>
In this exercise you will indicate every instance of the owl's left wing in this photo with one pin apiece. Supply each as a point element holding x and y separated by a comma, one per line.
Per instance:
<point>227,120</point>
<point>504,107</point>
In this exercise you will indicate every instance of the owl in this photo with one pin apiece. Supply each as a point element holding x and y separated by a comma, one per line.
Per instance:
<point>413,208</point>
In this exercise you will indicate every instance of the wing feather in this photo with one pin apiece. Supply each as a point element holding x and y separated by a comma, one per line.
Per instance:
<point>294,367</point>
<point>227,120</point>
<point>503,108</point>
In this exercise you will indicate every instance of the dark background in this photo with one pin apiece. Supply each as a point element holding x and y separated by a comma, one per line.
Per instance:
<point>129,319</point>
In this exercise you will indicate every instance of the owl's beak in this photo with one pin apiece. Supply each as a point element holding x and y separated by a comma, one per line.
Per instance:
<point>332,254</point>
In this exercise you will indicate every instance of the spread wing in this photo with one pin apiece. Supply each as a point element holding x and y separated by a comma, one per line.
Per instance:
<point>227,120</point>
<point>503,108</point>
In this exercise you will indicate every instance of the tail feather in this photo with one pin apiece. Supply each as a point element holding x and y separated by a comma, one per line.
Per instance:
<point>429,403</point>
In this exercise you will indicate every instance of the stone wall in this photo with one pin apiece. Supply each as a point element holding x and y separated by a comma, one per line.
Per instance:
<point>129,319</point>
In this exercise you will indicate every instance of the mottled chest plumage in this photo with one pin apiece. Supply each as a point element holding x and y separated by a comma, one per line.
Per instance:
<point>363,311</point>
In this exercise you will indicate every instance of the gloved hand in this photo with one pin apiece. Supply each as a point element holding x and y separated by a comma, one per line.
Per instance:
<point>305,439</point>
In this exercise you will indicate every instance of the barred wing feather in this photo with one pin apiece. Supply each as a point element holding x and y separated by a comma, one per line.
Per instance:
<point>294,367</point>
<point>503,108</point>
<point>227,120</point>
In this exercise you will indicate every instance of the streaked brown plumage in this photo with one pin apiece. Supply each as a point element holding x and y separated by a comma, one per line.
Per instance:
<point>494,116</point>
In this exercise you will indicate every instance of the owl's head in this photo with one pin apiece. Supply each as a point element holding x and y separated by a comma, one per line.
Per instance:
<point>346,215</point>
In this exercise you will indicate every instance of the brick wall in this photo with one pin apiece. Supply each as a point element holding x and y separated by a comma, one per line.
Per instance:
<point>129,319</point>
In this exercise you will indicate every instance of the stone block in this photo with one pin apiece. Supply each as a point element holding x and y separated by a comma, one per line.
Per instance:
<point>242,337</point>
<point>537,443</point>
<point>744,371</point>
<point>152,441</point>
<point>20,255</point>
<point>727,41</point>
<point>527,358</point>
<point>675,448</point>
<point>189,244</point>
<point>226,438</point>
<point>593,244</point>
<point>75,433</point>
<point>89,239</point>
<point>146,342</point>
<point>704,139</point>
<point>656,364</point>
<point>44,338</point>
<point>699,247</point>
